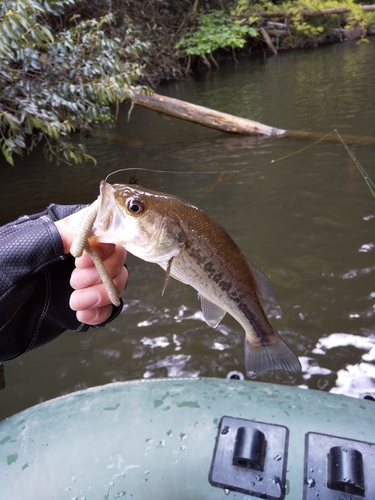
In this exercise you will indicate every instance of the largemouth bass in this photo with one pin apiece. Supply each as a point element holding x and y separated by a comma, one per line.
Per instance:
<point>194,249</point>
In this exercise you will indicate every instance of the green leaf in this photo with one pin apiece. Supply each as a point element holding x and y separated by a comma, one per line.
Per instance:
<point>7,154</point>
<point>47,32</point>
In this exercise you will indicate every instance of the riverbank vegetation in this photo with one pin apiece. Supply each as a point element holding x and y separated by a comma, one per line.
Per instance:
<point>66,65</point>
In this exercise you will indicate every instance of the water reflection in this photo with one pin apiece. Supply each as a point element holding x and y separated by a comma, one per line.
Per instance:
<point>356,380</point>
<point>171,366</point>
<point>353,380</point>
<point>152,347</point>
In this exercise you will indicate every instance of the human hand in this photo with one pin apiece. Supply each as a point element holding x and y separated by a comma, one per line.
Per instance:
<point>90,299</point>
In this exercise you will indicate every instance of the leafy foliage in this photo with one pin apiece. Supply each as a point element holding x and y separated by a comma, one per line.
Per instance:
<point>59,75</point>
<point>315,26</point>
<point>301,26</point>
<point>215,30</point>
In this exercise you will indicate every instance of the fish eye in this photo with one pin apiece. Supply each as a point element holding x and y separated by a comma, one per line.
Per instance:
<point>135,206</point>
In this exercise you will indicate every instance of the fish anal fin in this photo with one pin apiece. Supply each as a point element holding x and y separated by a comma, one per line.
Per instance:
<point>212,313</point>
<point>260,358</point>
<point>264,285</point>
<point>167,275</point>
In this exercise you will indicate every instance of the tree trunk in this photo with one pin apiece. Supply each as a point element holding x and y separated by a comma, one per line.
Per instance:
<point>229,123</point>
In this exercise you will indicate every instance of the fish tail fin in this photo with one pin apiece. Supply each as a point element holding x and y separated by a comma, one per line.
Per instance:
<point>274,356</point>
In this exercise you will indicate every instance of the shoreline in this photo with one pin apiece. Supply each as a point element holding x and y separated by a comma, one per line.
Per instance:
<point>183,69</point>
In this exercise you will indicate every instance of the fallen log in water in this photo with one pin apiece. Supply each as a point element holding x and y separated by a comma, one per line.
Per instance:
<point>203,116</point>
<point>330,137</point>
<point>230,123</point>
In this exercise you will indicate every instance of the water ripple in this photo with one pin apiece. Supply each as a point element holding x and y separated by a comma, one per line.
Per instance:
<point>345,339</point>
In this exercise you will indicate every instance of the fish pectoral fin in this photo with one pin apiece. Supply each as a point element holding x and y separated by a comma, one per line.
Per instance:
<point>212,313</point>
<point>264,285</point>
<point>261,358</point>
<point>167,275</point>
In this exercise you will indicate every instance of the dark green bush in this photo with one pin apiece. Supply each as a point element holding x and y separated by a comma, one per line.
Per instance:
<point>59,75</point>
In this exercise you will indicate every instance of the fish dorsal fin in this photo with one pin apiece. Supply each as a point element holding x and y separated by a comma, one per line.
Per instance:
<point>212,313</point>
<point>264,285</point>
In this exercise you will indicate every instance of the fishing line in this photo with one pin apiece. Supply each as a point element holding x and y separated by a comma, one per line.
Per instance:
<point>365,175</point>
<point>171,171</point>
<point>216,172</point>
<point>303,149</point>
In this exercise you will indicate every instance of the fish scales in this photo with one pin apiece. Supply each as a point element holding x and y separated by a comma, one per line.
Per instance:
<point>196,250</point>
<point>219,281</point>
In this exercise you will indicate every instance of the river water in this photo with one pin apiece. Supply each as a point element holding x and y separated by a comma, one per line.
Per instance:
<point>300,210</point>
